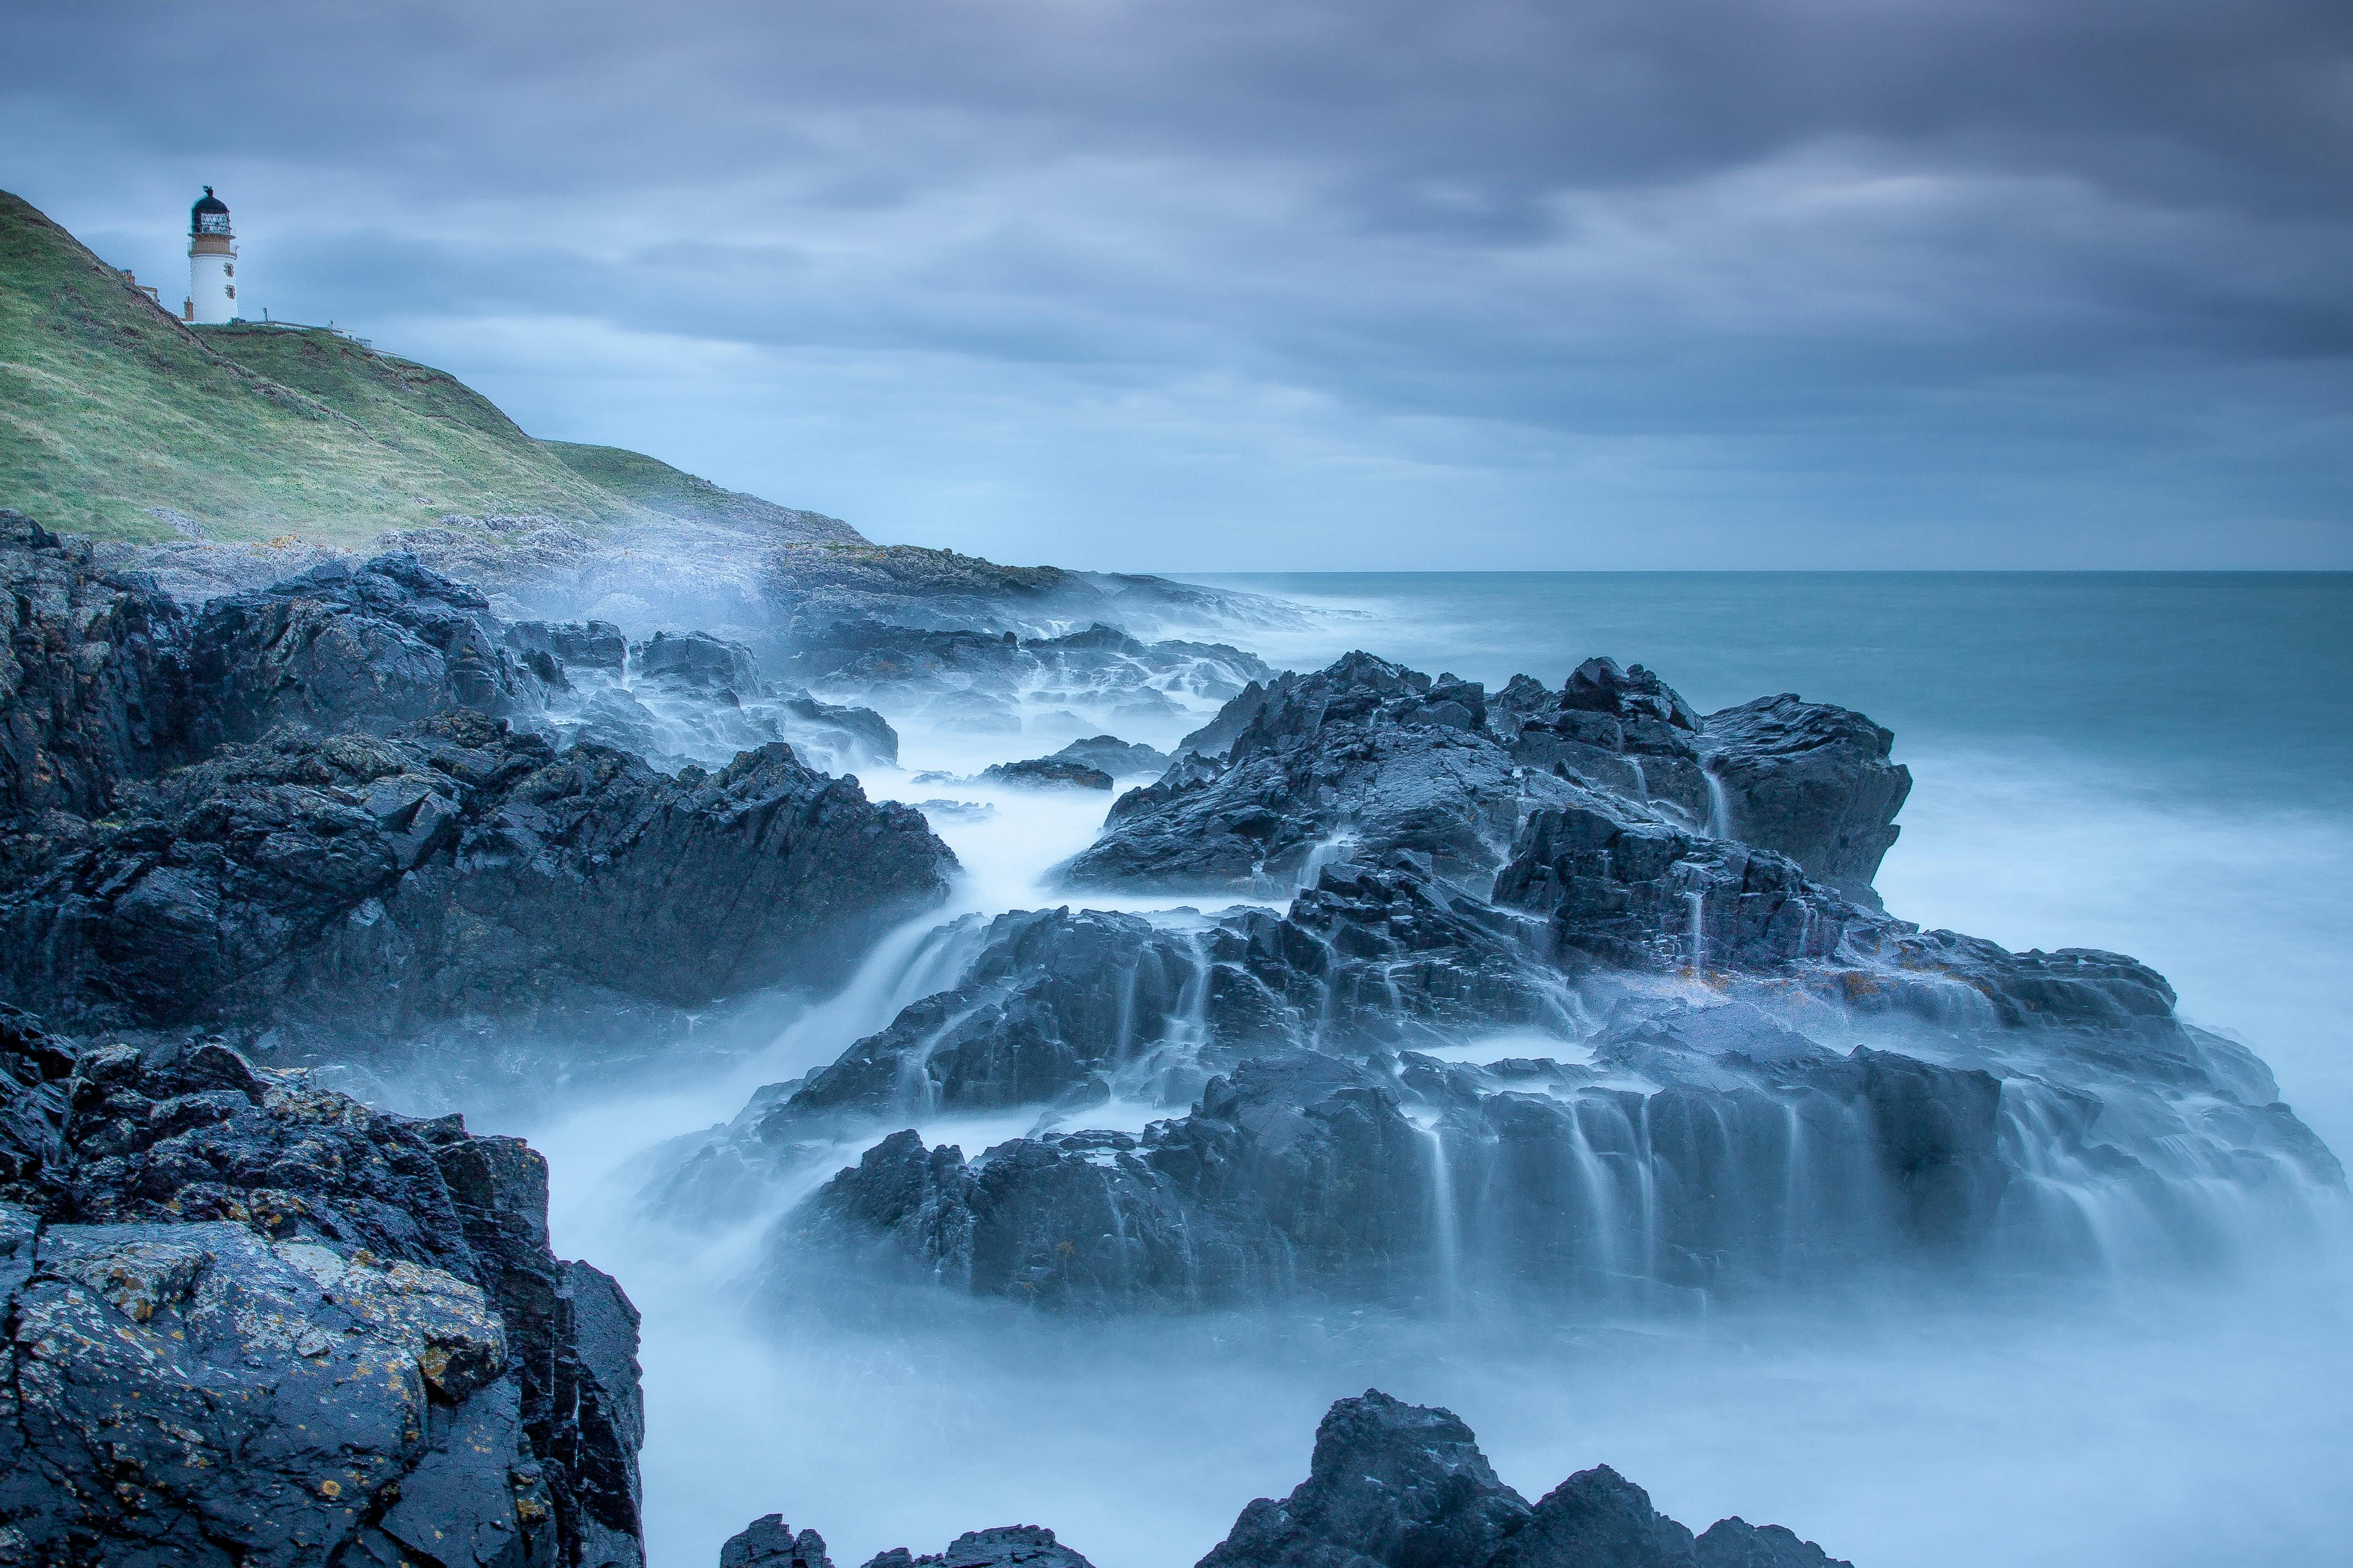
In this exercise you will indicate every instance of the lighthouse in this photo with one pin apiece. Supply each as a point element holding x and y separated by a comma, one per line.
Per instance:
<point>212,263</point>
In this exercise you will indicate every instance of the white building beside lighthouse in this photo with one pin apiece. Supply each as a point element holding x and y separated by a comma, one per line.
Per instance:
<point>212,263</point>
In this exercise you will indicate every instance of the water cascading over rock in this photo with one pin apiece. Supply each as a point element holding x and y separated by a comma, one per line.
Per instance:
<point>1726,1074</point>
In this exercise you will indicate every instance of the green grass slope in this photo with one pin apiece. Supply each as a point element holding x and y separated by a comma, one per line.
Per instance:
<point>111,411</point>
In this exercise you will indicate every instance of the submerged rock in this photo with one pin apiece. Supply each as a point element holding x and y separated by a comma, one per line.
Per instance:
<point>1048,773</point>
<point>255,1321</point>
<point>1007,1546</point>
<point>1110,755</point>
<point>1391,1485</point>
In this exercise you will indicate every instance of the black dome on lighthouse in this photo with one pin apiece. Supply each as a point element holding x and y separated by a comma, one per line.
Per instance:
<point>207,205</point>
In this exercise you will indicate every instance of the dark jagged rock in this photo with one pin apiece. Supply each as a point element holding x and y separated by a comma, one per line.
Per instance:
<point>1663,1161</point>
<point>1007,1546</point>
<point>1365,754</point>
<point>580,645</point>
<point>1069,1010</point>
<point>1394,1485</point>
<point>769,1543</point>
<point>1622,730</point>
<point>1633,890</point>
<point>455,867</point>
<point>1385,755</point>
<point>93,683</point>
<point>341,646</point>
<point>1050,772</point>
<point>1391,1485</point>
<point>1810,782</point>
<point>1303,1173</point>
<point>1112,755</point>
<point>254,1322</point>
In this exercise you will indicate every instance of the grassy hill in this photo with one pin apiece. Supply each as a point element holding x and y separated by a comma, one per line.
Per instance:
<point>118,421</point>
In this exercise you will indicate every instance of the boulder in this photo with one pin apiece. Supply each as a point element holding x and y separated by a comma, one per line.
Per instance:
<point>1810,782</point>
<point>696,661</point>
<point>252,1320</point>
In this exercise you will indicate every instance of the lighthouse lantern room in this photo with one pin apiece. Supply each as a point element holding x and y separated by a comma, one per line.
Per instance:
<point>212,262</point>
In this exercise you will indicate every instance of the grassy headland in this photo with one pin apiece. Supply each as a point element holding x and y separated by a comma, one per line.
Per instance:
<point>119,422</point>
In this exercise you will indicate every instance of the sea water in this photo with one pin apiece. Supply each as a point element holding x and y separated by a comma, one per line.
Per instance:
<point>2158,764</point>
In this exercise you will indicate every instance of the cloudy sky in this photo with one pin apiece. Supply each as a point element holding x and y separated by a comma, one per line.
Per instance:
<point>1259,284</point>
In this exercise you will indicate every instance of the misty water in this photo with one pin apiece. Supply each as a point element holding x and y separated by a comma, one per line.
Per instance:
<point>2160,765</point>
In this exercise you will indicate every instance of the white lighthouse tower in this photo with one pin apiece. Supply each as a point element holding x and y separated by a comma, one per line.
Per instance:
<point>212,263</point>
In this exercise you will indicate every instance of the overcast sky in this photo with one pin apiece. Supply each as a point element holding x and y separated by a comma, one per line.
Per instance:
<point>1259,284</point>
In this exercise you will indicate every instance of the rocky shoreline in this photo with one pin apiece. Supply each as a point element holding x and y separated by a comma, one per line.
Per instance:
<point>1561,999</point>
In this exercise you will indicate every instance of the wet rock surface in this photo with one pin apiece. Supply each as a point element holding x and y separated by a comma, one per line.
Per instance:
<point>451,868</point>
<point>1723,1074</point>
<point>1395,1484</point>
<point>1377,757</point>
<point>1047,773</point>
<point>1362,759</point>
<point>311,804</point>
<point>252,1320</point>
<point>1810,782</point>
<point>1390,1485</point>
<point>693,699</point>
<point>93,687</point>
<point>1110,755</point>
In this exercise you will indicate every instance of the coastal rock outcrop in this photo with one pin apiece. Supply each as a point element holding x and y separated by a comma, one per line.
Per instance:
<point>1362,759</point>
<point>252,1320</point>
<point>1390,1485</point>
<point>1394,1485</point>
<point>1120,759</point>
<point>311,804</point>
<point>454,867</point>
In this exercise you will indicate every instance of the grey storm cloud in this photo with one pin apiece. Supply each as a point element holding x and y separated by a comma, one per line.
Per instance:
<point>1802,281</point>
